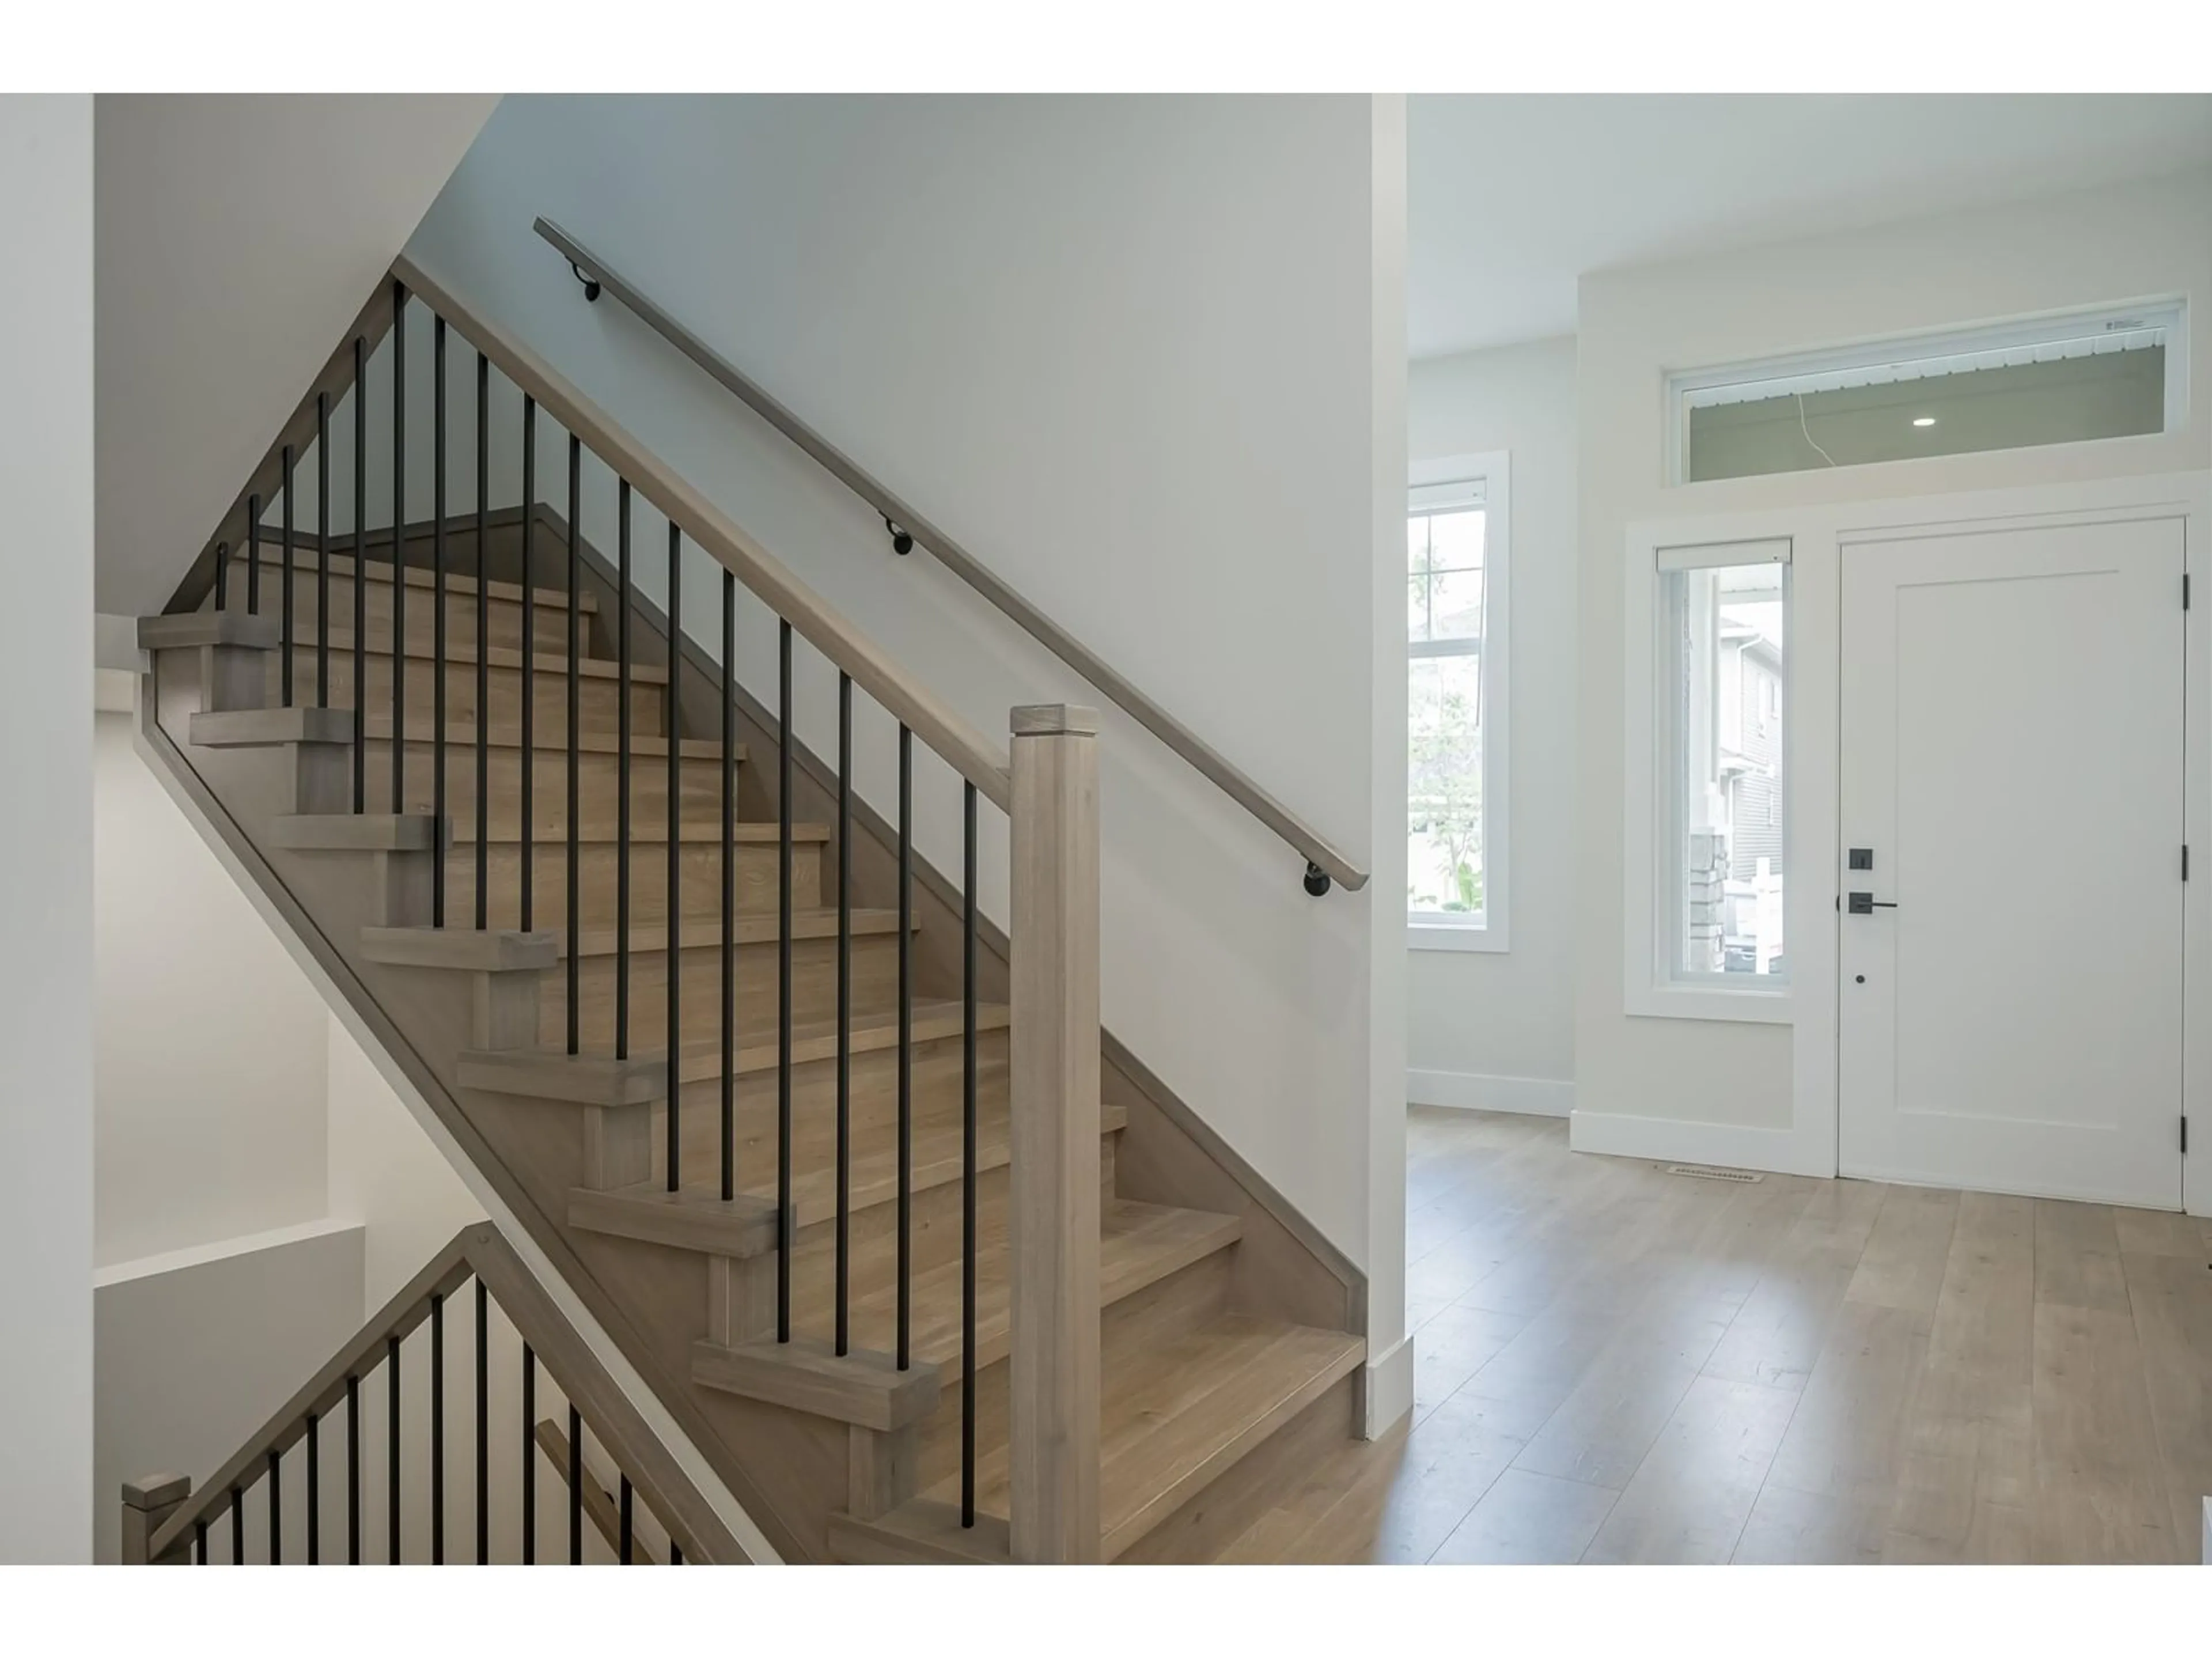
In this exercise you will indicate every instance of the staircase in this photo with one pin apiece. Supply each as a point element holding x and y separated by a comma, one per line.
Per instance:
<point>926,1267</point>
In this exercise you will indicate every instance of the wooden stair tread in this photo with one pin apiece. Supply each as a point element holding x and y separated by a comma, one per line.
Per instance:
<point>306,555</point>
<point>506,734</point>
<point>1178,1415</point>
<point>1139,1244</point>
<point>552,665</point>
<point>705,828</point>
<point>753,928</point>
<point>697,1217</point>
<point>599,1079</point>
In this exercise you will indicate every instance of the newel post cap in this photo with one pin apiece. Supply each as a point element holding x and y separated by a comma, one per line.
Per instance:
<point>1055,720</point>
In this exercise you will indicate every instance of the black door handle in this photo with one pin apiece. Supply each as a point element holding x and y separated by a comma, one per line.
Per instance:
<point>1865,904</point>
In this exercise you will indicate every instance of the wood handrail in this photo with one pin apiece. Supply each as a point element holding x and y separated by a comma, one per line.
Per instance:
<point>1323,858</point>
<point>960,745</point>
<point>479,1252</point>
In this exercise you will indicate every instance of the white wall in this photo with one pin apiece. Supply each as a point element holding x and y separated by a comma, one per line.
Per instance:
<point>199,1348</point>
<point>212,1054</point>
<point>45,833</point>
<point>384,1173</point>
<point>2110,245</point>
<point>238,235</point>
<point>1122,348</point>
<point>1489,1029</point>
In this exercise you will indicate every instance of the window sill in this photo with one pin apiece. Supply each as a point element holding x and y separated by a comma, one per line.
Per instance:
<point>1774,1007</point>
<point>1443,936</point>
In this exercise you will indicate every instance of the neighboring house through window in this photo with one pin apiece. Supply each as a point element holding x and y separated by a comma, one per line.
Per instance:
<point>1456,532</point>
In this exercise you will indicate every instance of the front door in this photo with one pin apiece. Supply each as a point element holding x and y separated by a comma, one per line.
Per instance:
<point>2011,825</point>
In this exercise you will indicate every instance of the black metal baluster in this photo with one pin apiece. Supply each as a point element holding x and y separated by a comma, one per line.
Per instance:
<point>786,740</point>
<point>729,886</point>
<point>399,576</point>
<point>285,586</point>
<point>968,1170</point>
<point>675,1553</point>
<point>222,576</point>
<point>275,1509</point>
<point>437,1430</point>
<point>626,1533</point>
<point>315,1495</point>
<point>575,1488</point>
<point>438,620</point>
<point>237,1528</point>
<point>905,1041</point>
<point>622,785</point>
<point>483,1426</point>
<point>670,725</point>
<point>322,550</point>
<point>199,1543</point>
<point>353,1471</point>
<point>575,668</point>
<point>529,750</point>
<point>844,1003</point>
<point>253,555</point>
<point>484,645</point>
<point>529,1456</point>
<point>391,1395</point>
<point>361,577</point>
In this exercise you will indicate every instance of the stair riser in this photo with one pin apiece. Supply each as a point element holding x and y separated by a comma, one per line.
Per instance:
<point>699,782</point>
<point>937,1071</point>
<point>1181,1302</point>
<point>503,617</point>
<point>598,701</point>
<point>699,886</point>
<point>814,991</point>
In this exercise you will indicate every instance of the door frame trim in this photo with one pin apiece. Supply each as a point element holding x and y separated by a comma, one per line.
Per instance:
<point>1820,531</point>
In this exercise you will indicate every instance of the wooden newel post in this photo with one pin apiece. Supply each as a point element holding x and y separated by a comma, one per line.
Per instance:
<point>1052,1206</point>
<point>148,1504</point>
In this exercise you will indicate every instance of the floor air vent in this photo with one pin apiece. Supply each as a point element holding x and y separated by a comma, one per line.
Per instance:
<point>1708,1172</point>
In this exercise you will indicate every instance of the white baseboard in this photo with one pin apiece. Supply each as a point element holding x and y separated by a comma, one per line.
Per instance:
<point>1682,1140</point>
<point>1479,1091</point>
<point>1387,1389</point>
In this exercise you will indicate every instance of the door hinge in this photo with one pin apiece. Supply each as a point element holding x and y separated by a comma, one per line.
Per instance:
<point>2185,860</point>
<point>2184,590</point>
<point>2184,1135</point>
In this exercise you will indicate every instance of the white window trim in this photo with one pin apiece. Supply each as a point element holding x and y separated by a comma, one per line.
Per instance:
<point>1649,985</point>
<point>1492,469</point>
<point>1871,361</point>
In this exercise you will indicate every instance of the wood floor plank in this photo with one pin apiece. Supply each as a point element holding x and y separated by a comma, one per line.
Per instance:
<point>2098,1492</point>
<point>1847,1437</point>
<point>1968,1474</point>
<point>2077,1256</point>
<point>2171,1297</point>
<point>1529,1519</point>
<point>1690,1497</point>
<point>1902,1264</point>
<point>1778,1335</point>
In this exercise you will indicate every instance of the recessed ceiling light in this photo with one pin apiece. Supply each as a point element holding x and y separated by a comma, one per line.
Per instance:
<point>1924,420</point>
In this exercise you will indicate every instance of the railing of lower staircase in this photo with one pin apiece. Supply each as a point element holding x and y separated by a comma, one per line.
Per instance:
<point>653,921</point>
<point>296,1493</point>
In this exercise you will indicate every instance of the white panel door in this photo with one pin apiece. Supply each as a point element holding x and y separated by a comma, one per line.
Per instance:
<point>2012,773</point>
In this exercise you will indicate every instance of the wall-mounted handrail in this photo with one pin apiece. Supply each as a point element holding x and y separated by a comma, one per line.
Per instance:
<point>959,744</point>
<point>1325,863</point>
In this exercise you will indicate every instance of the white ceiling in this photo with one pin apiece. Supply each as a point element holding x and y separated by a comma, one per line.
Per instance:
<point>1513,198</point>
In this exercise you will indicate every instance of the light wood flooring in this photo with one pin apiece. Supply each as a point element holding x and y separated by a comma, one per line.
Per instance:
<point>1615,1365</point>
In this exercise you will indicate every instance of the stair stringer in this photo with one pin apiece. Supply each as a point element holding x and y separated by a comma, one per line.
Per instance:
<point>661,1392</point>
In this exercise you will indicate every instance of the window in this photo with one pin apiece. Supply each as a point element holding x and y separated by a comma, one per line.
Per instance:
<point>1456,536</point>
<point>2111,373</point>
<point>1723,668</point>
